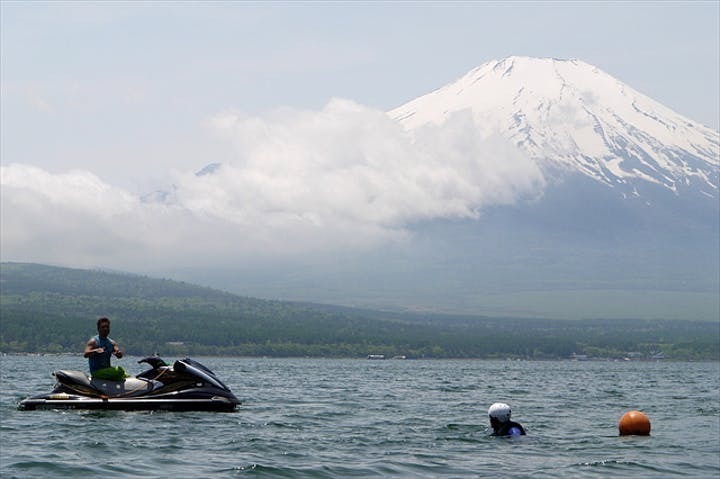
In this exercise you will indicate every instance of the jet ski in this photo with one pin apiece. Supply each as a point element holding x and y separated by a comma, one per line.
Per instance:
<point>187,385</point>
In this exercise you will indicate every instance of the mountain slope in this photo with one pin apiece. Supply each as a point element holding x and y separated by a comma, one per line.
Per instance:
<point>50,309</point>
<point>571,116</point>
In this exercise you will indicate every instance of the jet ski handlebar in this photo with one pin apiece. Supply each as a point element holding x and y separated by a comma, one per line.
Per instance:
<point>155,361</point>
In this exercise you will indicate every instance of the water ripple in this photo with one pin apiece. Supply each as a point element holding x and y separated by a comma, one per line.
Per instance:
<point>353,418</point>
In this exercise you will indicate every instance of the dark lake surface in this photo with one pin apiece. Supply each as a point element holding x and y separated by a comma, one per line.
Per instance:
<point>394,418</point>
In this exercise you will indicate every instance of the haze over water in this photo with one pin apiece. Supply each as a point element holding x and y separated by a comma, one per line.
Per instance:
<point>359,418</point>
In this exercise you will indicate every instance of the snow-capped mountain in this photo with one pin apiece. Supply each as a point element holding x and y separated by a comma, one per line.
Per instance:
<point>571,116</point>
<point>629,229</point>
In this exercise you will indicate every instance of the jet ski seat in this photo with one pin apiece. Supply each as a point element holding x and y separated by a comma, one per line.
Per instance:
<point>77,381</point>
<point>81,382</point>
<point>128,387</point>
<point>73,377</point>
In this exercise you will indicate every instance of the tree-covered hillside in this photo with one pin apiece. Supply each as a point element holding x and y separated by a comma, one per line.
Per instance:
<point>51,309</point>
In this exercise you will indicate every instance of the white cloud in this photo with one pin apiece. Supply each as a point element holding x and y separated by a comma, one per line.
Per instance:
<point>343,178</point>
<point>352,162</point>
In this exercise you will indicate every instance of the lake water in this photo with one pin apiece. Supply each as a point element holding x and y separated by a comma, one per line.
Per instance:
<point>357,418</point>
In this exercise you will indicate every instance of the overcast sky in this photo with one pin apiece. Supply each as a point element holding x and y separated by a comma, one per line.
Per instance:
<point>105,102</point>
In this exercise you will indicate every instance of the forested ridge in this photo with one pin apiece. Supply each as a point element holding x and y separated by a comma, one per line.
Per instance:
<point>51,309</point>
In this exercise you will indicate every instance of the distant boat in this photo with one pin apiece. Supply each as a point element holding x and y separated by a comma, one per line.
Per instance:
<point>401,356</point>
<point>657,356</point>
<point>376,356</point>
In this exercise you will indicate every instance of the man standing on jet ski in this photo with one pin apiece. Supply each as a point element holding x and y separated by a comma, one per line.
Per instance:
<point>98,351</point>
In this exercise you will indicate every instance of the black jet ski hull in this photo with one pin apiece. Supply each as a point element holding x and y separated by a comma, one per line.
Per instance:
<point>218,404</point>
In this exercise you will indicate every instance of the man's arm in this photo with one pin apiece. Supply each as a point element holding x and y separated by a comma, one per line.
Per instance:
<point>116,350</point>
<point>92,348</point>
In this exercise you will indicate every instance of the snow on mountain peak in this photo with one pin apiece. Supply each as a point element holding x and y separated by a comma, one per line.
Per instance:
<point>571,115</point>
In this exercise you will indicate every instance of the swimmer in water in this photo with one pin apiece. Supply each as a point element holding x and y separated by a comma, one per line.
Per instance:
<point>500,421</point>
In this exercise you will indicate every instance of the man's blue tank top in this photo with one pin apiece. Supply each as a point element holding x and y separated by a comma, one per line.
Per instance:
<point>102,360</point>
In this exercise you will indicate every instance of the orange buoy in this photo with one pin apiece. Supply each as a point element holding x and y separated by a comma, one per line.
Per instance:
<point>634,423</point>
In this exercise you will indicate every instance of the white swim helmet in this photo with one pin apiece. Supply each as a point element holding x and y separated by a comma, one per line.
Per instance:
<point>500,411</point>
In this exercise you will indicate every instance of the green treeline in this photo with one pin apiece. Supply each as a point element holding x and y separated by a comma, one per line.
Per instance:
<point>50,309</point>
